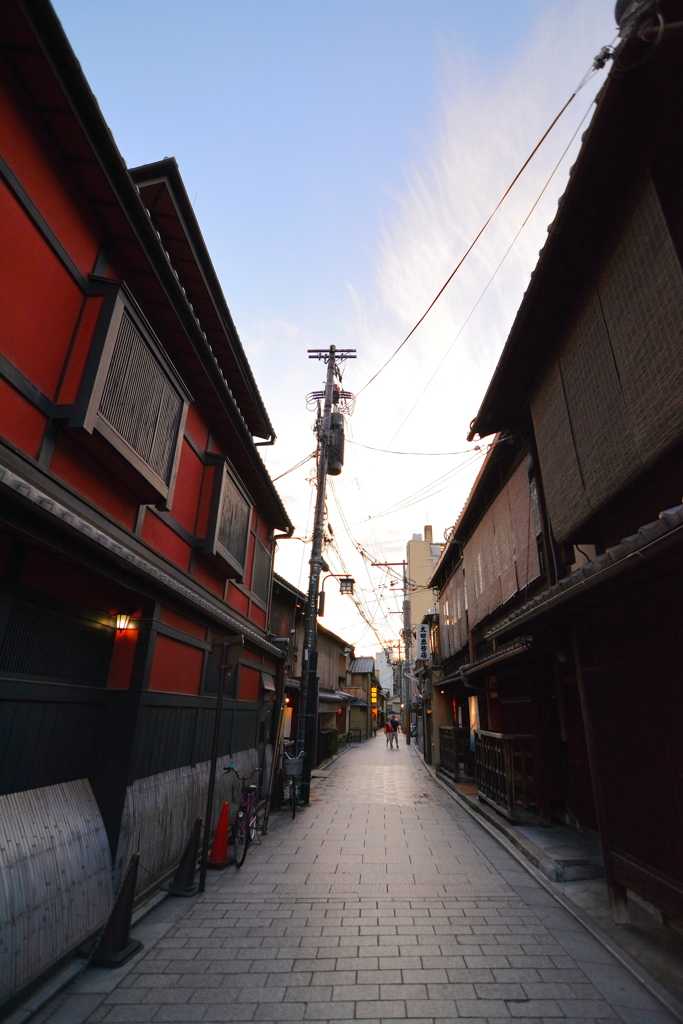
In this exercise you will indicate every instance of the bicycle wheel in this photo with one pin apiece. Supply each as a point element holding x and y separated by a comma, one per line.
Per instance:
<point>241,839</point>
<point>294,794</point>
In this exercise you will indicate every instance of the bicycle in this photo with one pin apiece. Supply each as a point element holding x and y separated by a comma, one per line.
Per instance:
<point>245,829</point>
<point>293,767</point>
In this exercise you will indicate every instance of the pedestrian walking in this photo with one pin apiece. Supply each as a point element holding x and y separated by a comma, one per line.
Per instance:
<point>389,733</point>
<point>394,729</point>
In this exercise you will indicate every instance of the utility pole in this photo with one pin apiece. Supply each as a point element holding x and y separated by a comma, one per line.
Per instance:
<point>407,637</point>
<point>330,433</point>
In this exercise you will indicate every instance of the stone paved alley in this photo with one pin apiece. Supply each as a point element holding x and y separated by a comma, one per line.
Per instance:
<point>384,900</point>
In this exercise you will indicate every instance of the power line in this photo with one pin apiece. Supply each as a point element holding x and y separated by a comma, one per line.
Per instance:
<point>386,451</point>
<point>359,548</point>
<point>491,279</point>
<point>481,231</point>
<point>302,462</point>
<point>426,491</point>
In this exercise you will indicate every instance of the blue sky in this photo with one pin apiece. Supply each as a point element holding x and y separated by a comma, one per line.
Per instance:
<point>342,155</point>
<point>291,121</point>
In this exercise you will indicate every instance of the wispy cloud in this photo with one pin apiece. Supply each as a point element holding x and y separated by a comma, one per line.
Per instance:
<point>487,121</point>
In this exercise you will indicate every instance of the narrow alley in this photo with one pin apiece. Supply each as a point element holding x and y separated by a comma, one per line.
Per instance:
<point>383,900</point>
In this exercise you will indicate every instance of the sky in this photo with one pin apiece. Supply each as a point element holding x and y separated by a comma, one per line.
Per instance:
<point>341,155</point>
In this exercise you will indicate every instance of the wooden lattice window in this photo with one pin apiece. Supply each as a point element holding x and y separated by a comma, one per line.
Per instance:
<point>44,643</point>
<point>261,573</point>
<point>229,522</point>
<point>132,398</point>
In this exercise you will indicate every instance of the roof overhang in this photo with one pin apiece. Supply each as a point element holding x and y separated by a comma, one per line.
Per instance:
<point>163,193</point>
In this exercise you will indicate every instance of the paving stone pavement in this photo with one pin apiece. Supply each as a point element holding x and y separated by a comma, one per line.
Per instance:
<point>384,900</point>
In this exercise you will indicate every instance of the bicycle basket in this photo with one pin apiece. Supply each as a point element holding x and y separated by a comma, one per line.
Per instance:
<point>293,767</point>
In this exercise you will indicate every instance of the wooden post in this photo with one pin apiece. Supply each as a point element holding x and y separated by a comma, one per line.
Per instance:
<point>617,892</point>
<point>509,767</point>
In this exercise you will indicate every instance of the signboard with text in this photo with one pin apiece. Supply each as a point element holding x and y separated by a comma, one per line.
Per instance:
<point>423,645</point>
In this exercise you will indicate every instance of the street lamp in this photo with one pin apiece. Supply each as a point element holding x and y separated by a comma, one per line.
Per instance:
<point>346,585</point>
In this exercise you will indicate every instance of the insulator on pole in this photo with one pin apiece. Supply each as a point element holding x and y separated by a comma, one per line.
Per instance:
<point>335,458</point>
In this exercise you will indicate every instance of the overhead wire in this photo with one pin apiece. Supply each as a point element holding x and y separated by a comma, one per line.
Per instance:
<point>492,277</point>
<point>427,491</point>
<point>366,559</point>
<point>302,462</point>
<point>386,451</point>
<point>362,610</point>
<point>360,550</point>
<point>589,74</point>
<point>421,495</point>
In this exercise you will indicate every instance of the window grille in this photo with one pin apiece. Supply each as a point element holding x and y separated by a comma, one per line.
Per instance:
<point>132,397</point>
<point>45,644</point>
<point>229,526</point>
<point>260,577</point>
<point>233,520</point>
<point>140,403</point>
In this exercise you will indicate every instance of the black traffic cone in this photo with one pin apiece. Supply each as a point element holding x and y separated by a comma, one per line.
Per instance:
<point>183,880</point>
<point>115,945</point>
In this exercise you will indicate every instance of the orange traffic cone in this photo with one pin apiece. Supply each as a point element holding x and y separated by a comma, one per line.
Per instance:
<point>218,858</point>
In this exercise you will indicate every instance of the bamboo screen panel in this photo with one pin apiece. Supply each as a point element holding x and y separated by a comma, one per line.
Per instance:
<point>453,615</point>
<point>500,559</point>
<point>609,404</point>
<point>501,556</point>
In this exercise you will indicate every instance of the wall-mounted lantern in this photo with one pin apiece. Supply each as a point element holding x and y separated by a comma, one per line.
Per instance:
<point>346,585</point>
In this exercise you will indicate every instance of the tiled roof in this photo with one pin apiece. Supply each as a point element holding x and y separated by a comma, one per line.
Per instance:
<point>359,666</point>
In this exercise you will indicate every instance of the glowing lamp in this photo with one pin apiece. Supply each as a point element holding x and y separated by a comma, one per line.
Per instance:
<point>122,620</point>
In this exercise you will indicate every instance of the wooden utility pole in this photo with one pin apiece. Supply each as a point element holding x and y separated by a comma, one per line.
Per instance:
<point>407,636</point>
<point>307,724</point>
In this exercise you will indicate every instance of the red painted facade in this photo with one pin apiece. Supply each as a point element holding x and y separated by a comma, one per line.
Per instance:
<point>50,230</point>
<point>137,521</point>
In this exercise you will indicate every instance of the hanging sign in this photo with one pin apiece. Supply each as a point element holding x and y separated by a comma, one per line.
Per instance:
<point>423,648</point>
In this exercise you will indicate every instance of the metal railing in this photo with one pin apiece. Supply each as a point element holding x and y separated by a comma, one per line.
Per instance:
<point>505,769</point>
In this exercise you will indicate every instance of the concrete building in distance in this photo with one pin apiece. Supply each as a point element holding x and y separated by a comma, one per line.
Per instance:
<point>384,670</point>
<point>422,554</point>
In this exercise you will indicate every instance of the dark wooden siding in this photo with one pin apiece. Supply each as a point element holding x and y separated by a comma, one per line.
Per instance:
<point>170,736</point>
<point>631,651</point>
<point>45,742</point>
